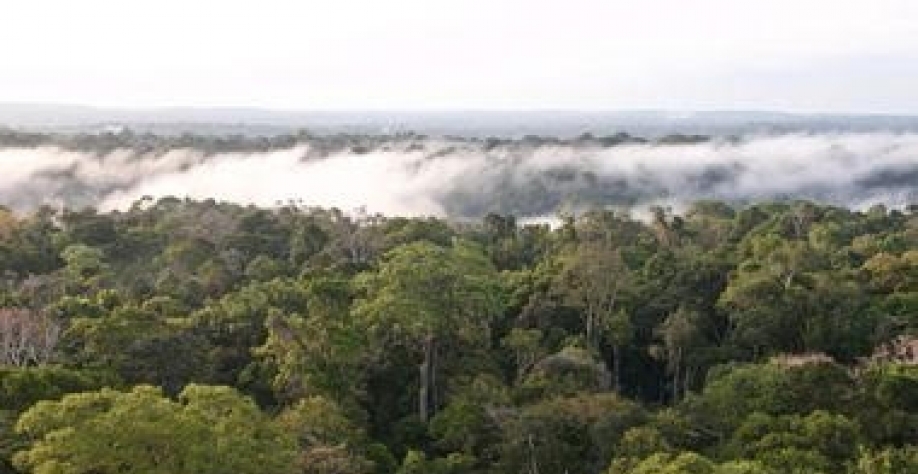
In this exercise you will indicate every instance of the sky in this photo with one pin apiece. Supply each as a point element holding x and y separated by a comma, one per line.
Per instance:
<point>789,55</point>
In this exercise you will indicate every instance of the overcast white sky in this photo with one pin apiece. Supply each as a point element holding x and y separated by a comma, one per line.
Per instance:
<point>798,55</point>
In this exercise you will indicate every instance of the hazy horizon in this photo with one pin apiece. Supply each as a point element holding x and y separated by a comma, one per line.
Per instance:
<point>818,56</point>
<point>468,123</point>
<point>675,112</point>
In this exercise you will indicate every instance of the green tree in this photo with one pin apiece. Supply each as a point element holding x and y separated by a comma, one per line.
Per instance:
<point>431,296</point>
<point>667,463</point>
<point>20,388</point>
<point>595,278</point>
<point>575,435</point>
<point>85,266</point>
<point>680,334</point>
<point>207,430</point>
<point>329,442</point>
<point>319,349</point>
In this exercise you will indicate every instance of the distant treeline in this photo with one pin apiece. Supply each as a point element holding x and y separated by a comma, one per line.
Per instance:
<point>115,138</point>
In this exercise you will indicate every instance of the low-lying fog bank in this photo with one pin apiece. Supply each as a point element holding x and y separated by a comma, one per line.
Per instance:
<point>413,175</point>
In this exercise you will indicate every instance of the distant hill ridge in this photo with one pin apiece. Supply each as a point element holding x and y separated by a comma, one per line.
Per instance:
<point>555,123</point>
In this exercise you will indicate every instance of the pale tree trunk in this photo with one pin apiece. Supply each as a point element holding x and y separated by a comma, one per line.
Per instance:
<point>533,462</point>
<point>589,327</point>
<point>616,348</point>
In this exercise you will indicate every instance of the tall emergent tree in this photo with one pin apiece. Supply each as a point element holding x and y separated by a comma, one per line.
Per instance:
<point>428,296</point>
<point>595,278</point>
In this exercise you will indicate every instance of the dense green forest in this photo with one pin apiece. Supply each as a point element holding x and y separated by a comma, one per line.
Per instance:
<point>188,336</point>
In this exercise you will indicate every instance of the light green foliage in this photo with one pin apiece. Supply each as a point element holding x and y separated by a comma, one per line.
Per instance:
<point>663,463</point>
<point>640,442</point>
<point>422,289</point>
<point>85,267</point>
<point>430,298</point>
<point>208,430</point>
<point>887,461</point>
<point>744,467</point>
<point>317,349</point>
<point>416,462</point>
<point>21,388</point>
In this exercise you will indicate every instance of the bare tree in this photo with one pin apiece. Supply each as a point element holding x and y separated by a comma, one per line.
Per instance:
<point>26,337</point>
<point>357,236</point>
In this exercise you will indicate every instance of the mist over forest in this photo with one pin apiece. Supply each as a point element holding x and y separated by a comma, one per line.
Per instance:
<point>467,237</point>
<point>465,178</point>
<point>264,299</point>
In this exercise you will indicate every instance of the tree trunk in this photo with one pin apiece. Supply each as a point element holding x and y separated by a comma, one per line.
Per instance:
<point>677,366</point>
<point>434,393</point>
<point>533,462</point>
<point>589,328</point>
<point>426,385</point>
<point>617,367</point>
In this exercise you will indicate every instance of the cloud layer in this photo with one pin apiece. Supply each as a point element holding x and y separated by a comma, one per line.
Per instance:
<point>470,178</point>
